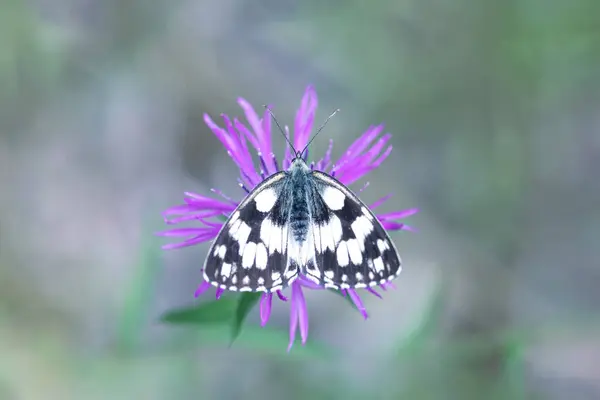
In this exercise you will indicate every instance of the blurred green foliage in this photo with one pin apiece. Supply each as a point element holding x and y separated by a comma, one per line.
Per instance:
<point>481,96</point>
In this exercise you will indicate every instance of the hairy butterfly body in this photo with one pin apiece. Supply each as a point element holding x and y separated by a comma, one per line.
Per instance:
<point>301,222</point>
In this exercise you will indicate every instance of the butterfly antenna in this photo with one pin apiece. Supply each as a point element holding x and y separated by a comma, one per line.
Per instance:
<point>280,129</point>
<point>319,130</point>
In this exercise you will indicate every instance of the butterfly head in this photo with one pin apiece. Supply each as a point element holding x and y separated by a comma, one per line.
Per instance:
<point>299,164</point>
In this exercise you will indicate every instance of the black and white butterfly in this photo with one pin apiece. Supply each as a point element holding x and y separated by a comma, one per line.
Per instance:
<point>301,221</point>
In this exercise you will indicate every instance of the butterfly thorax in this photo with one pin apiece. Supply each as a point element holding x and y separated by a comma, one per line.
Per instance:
<point>300,184</point>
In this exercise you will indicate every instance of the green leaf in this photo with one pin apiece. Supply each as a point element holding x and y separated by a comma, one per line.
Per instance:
<point>245,304</point>
<point>213,312</point>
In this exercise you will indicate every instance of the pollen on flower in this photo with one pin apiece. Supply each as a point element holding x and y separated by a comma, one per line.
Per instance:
<point>245,142</point>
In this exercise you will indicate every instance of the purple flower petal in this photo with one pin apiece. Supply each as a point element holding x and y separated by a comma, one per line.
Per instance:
<point>298,315</point>
<point>350,172</point>
<point>202,288</point>
<point>360,144</point>
<point>304,118</point>
<point>358,303</point>
<point>188,242</point>
<point>198,216</point>
<point>302,314</point>
<point>397,214</point>
<point>224,196</point>
<point>234,146</point>
<point>265,308</point>
<point>293,321</point>
<point>200,202</point>
<point>270,159</point>
<point>395,226</point>
<point>380,201</point>
<point>373,292</point>
<point>183,232</point>
<point>281,296</point>
<point>304,281</point>
<point>323,164</point>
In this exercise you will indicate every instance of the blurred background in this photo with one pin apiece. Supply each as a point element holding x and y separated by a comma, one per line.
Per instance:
<point>494,107</point>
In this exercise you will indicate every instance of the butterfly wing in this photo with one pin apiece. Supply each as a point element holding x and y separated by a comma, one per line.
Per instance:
<point>352,249</point>
<point>250,252</point>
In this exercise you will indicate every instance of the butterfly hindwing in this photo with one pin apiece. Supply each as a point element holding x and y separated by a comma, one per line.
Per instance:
<point>352,249</point>
<point>250,251</point>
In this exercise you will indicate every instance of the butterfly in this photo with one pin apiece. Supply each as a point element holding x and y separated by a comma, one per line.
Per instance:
<point>301,222</point>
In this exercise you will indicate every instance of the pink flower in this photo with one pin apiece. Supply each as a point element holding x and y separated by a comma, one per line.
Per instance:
<point>364,155</point>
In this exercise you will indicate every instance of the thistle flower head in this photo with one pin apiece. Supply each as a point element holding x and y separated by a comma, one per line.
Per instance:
<point>241,142</point>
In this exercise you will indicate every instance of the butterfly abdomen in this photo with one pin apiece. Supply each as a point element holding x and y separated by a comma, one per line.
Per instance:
<point>299,213</point>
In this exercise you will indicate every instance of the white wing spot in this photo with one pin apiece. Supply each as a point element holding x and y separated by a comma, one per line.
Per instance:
<point>378,264</point>
<point>261,257</point>
<point>275,276</point>
<point>354,251</point>
<point>382,245</point>
<point>265,200</point>
<point>248,256</point>
<point>234,218</point>
<point>344,278</point>
<point>222,251</point>
<point>226,270</point>
<point>362,227</point>
<point>260,280</point>
<point>234,228</point>
<point>327,241</point>
<point>329,274</point>
<point>336,228</point>
<point>334,198</point>
<point>242,236</point>
<point>342,255</point>
<point>234,279</point>
<point>359,276</point>
<point>272,236</point>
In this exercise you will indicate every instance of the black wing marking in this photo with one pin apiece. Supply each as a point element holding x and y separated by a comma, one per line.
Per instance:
<point>250,251</point>
<point>352,249</point>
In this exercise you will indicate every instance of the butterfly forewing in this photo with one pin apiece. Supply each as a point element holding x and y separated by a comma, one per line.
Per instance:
<point>250,251</point>
<point>351,247</point>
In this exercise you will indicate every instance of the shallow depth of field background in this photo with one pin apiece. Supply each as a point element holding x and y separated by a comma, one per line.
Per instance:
<point>495,111</point>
